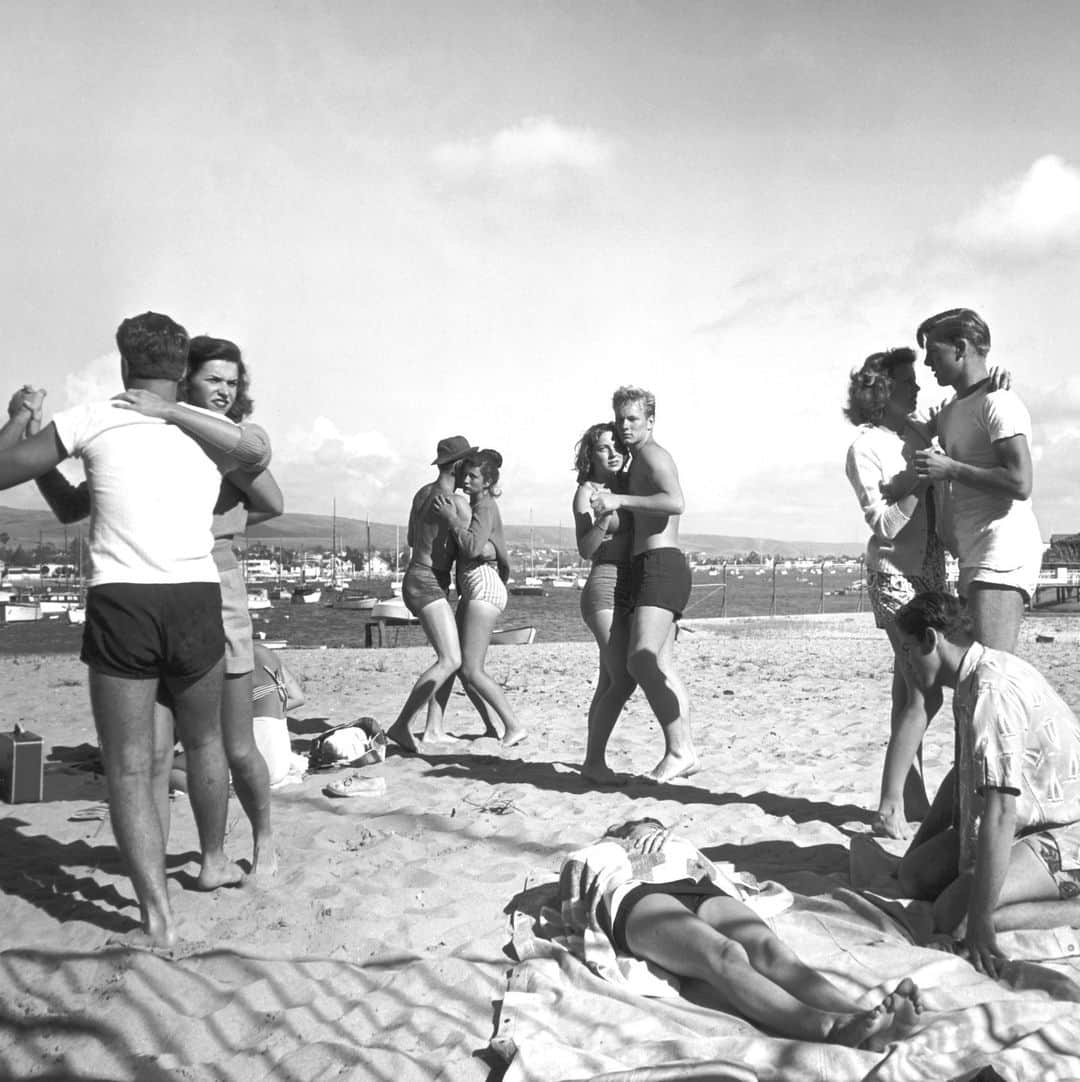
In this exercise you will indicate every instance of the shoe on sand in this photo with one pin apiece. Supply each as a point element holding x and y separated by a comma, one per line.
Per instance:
<point>356,785</point>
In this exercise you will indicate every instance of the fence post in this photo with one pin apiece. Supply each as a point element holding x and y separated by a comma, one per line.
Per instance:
<point>772,602</point>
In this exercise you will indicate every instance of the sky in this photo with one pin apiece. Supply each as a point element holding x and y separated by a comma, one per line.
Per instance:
<point>425,219</point>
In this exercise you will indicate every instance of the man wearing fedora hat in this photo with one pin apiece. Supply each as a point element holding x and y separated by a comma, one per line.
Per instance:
<point>425,590</point>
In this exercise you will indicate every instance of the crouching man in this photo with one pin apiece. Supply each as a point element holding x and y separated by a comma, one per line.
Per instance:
<point>1000,848</point>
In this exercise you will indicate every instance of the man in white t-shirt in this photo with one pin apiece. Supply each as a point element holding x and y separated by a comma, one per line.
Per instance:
<point>153,610</point>
<point>986,436</point>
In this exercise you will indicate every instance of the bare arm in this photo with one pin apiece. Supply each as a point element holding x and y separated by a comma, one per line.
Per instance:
<point>30,458</point>
<point>24,406</point>
<point>590,532</point>
<point>262,494</point>
<point>68,502</point>
<point>247,444</point>
<point>996,834</point>
<point>666,497</point>
<point>294,691</point>
<point>1011,476</point>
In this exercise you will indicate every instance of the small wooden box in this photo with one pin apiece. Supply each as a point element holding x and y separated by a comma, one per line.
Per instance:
<point>21,755</point>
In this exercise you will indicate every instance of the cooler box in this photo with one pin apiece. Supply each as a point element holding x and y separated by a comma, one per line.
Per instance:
<point>21,758</point>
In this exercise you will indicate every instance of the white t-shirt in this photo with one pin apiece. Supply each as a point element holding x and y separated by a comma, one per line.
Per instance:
<point>992,529</point>
<point>152,495</point>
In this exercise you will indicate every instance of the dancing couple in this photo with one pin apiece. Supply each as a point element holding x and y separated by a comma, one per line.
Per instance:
<point>627,523</point>
<point>448,529</point>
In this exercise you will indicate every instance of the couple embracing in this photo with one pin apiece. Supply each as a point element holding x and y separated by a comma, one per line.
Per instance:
<point>627,523</point>
<point>447,528</point>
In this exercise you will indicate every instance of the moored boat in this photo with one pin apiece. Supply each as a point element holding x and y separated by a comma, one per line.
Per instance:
<point>258,599</point>
<point>391,608</point>
<point>513,636</point>
<point>306,595</point>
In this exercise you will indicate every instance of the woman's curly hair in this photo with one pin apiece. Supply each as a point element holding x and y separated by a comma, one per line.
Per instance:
<point>871,385</point>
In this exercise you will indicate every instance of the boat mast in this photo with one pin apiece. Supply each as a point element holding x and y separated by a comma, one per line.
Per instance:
<point>333,544</point>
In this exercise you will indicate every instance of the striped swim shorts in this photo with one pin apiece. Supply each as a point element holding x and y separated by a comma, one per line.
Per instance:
<point>481,582</point>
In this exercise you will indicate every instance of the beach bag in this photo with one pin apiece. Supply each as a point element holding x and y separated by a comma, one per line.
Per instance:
<point>354,743</point>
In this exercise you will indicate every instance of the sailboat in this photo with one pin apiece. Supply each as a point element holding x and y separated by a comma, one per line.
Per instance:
<point>532,586</point>
<point>342,597</point>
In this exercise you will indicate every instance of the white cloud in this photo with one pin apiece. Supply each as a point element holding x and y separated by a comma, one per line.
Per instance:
<point>537,153</point>
<point>96,380</point>
<point>1035,215</point>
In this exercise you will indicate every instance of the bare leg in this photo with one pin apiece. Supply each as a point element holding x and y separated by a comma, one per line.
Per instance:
<point>197,709</point>
<point>437,620</point>
<point>903,793</point>
<point>164,739</point>
<point>997,612</point>
<point>662,930</point>
<point>773,958</point>
<point>926,869</point>
<point>614,687</point>
<point>251,779</point>
<point>476,628</point>
<point>1027,888</point>
<point>649,632</point>
<point>123,715</point>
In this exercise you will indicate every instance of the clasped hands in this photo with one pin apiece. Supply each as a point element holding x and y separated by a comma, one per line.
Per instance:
<point>28,398</point>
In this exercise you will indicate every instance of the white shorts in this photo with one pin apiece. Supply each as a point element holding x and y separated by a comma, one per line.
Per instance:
<point>1023,579</point>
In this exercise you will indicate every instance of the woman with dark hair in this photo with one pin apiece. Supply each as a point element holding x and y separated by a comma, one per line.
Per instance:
<point>216,382</point>
<point>483,566</point>
<point>606,540</point>
<point>904,557</point>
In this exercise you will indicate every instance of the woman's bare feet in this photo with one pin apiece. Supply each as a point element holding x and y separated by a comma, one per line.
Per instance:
<point>264,861</point>
<point>602,774</point>
<point>673,766</point>
<point>399,733</point>
<point>889,822</point>
<point>160,942</point>
<point>515,734</point>
<point>219,873</point>
<point>892,1020</point>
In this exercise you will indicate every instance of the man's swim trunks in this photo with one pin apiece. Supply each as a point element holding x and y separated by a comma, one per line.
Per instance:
<point>142,631</point>
<point>422,586</point>
<point>660,578</point>
<point>1048,846</point>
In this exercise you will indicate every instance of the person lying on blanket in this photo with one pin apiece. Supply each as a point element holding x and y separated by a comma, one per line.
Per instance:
<point>638,891</point>
<point>1000,848</point>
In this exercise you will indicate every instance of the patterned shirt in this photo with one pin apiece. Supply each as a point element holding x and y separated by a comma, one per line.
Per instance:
<point>1014,733</point>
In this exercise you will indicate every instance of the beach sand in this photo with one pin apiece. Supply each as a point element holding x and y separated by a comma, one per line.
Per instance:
<point>380,950</point>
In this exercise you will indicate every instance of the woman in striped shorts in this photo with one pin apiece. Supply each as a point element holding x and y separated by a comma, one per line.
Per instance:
<point>483,567</point>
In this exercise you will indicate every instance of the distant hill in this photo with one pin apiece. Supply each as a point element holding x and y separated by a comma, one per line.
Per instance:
<point>24,527</point>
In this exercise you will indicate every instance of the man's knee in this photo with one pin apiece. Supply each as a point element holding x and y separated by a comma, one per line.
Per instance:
<point>643,667</point>
<point>915,878</point>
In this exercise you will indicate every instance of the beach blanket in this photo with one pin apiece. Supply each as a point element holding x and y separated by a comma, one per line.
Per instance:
<point>594,880</point>
<point>560,1020</point>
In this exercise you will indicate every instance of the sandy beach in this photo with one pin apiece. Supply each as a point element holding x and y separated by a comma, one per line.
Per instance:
<point>382,949</point>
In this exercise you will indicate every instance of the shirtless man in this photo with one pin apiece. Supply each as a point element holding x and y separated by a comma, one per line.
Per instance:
<point>986,435</point>
<point>153,610</point>
<point>425,590</point>
<point>660,582</point>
